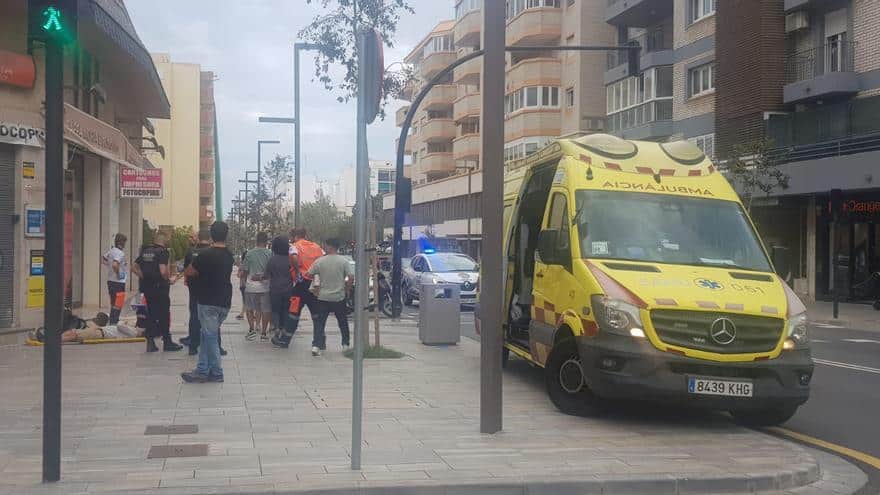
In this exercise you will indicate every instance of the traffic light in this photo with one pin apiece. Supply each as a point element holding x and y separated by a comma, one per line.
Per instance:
<point>52,20</point>
<point>633,58</point>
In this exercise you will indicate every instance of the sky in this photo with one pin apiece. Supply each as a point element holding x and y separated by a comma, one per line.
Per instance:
<point>248,44</point>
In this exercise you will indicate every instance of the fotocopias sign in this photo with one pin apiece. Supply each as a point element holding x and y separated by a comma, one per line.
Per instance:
<point>140,184</point>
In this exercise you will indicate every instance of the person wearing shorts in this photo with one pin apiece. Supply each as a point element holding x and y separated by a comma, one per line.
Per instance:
<point>256,290</point>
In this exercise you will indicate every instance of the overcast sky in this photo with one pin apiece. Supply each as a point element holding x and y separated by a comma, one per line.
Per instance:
<point>248,44</point>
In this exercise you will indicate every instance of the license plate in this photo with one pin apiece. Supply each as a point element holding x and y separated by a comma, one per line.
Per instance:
<point>709,386</point>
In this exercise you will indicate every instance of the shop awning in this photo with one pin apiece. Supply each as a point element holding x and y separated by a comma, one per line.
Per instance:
<point>106,30</point>
<point>101,138</point>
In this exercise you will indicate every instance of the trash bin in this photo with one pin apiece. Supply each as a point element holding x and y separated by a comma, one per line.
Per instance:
<point>439,314</point>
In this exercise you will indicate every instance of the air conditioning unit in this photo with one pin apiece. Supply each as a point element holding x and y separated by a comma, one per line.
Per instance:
<point>797,21</point>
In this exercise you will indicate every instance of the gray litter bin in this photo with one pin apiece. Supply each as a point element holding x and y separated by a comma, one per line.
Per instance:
<point>439,314</point>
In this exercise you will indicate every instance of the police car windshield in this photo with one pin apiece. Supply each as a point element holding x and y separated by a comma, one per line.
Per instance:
<point>667,229</point>
<point>447,262</point>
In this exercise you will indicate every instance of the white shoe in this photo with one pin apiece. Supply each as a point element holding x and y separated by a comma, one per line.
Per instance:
<point>345,347</point>
<point>251,335</point>
<point>316,351</point>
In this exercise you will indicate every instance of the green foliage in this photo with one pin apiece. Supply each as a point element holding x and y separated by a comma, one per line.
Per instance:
<point>179,242</point>
<point>754,169</point>
<point>374,352</point>
<point>323,220</point>
<point>335,35</point>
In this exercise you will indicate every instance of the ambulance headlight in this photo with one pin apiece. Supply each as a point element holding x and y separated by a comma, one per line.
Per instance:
<point>617,317</point>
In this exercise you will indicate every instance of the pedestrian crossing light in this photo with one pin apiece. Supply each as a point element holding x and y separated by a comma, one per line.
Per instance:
<point>53,20</point>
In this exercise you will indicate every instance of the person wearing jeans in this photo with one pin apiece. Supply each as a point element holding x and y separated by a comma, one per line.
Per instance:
<point>334,275</point>
<point>211,271</point>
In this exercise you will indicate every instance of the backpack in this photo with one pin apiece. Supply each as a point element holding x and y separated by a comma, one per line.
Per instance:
<point>307,253</point>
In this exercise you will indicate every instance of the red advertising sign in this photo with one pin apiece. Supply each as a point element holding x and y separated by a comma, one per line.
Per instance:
<point>17,70</point>
<point>140,184</point>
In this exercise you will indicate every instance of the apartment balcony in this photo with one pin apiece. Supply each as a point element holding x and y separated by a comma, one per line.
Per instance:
<point>467,147</point>
<point>834,129</point>
<point>400,115</point>
<point>468,28</point>
<point>534,72</point>
<point>468,72</point>
<point>440,96</point>
<point>649,121</point>
<point>467,106</point>
<point>206,189</point>
<point>535,26</point>
<point>657,51</point>
<point>438,130</point>
<point>637,13</point>
<point>436,165</point>
<point>532,122</point>
<point>825,71</point>
<point>435,62</point>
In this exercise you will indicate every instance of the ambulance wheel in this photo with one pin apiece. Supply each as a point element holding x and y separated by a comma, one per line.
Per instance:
<point>566,384</point>
<point>764,417</point>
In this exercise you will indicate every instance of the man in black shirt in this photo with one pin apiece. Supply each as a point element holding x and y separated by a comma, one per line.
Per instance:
<point>152,268</point>
<point>203,241</point>
<point>210,272</point>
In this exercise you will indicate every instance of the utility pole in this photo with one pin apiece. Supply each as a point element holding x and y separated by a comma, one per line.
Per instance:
<point>297,170</point>
<point>492,132</point>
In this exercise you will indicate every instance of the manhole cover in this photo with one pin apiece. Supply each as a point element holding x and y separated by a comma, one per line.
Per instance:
<point>171,429</point>
<point>165,451</point>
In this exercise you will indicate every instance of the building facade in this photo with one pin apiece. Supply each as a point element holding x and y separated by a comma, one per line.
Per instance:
<point>111,87</point>
<point>343,192</point>
<point>208,153</point>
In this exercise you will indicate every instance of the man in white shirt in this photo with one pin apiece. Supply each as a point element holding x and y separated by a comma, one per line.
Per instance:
<point>117,276</point>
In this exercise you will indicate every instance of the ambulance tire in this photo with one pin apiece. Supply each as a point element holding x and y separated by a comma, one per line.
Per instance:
<point>568,391</point>
<point>764,417</point>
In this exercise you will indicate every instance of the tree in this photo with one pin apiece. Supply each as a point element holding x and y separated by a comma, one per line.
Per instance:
<point>179,242</point>
<point>323,220</point>
<point>335,35</point>
<point>276,177</point>
<point>754,169</point>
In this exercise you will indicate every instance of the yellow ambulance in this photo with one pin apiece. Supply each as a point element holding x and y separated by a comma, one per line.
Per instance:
<point>634,272</point>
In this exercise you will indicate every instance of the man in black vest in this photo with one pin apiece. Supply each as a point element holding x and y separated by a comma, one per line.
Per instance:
<point>152,268</point>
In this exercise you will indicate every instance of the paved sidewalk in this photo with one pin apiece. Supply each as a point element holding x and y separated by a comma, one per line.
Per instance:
<point>857,316</point>
<point>281,424</point>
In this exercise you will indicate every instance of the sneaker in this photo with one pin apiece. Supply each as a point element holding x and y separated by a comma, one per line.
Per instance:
<point>280,343</point>
<point>251,335</point>
<point>171,346</point>
<point>264,337</point>
<point>316,351</point>
<point>345,347</point>
<point>185,341</point>
<point>223,352</point>
<point>193,377</point>
<point>151,345</point>
<point>214,379</point>
<point>239,317</point>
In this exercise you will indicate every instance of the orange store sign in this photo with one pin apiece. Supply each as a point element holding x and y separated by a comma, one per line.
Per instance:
<point>17,70</point>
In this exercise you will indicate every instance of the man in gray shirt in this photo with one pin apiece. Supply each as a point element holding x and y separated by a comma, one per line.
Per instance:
<point>334,275</point>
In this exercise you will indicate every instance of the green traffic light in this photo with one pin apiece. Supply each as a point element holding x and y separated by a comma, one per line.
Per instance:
<point>53,20</point>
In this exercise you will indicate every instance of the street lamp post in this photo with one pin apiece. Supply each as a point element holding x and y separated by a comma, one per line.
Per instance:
<point>296,127</point>
<point>260,175</point>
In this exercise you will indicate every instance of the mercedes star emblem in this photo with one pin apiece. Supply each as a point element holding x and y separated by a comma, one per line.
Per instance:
<point>723,331</point>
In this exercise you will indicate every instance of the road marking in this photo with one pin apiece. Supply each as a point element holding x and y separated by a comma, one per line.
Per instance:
<point>861,341</point>
<point>840,449</point>
<point>856,367</point>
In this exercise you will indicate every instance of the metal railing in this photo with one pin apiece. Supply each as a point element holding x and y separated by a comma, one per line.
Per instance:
<point>850,145</point>
<point>652,40</point>
<point>807,64</point>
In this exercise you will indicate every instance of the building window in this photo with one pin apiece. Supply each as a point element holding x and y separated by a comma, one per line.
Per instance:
<point>702,80</point>
<point>531,96</point>
<point>437,44</point>
<point>524,147</point>
<point>706,144</point>
<point>466,6</point>
<point>700,9</point>
<point>636,101</point>
<point>569,97</point>
<point>515,7</point>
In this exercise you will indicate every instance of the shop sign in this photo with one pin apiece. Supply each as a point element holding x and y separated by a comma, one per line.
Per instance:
<point>17,70</point>
<point>21,133</point>
<point>140,184</point>
<point>37,260</point>
<point>36,291</point>
<point>100,137</point>
<point>28,170</point>
<point>35,221</point>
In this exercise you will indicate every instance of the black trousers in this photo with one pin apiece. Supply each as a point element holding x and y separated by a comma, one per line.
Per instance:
<point>299,299</point>
<point>340,310</point>
<point>158,311</point>
<point>114,288</point>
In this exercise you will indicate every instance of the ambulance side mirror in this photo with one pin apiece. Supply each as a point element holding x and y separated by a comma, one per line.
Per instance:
<point>781,261</point>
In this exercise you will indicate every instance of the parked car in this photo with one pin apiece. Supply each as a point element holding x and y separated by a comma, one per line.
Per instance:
<point>434,268</point>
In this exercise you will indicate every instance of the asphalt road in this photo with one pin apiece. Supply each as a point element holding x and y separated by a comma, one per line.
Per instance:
<point>844,405</point>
